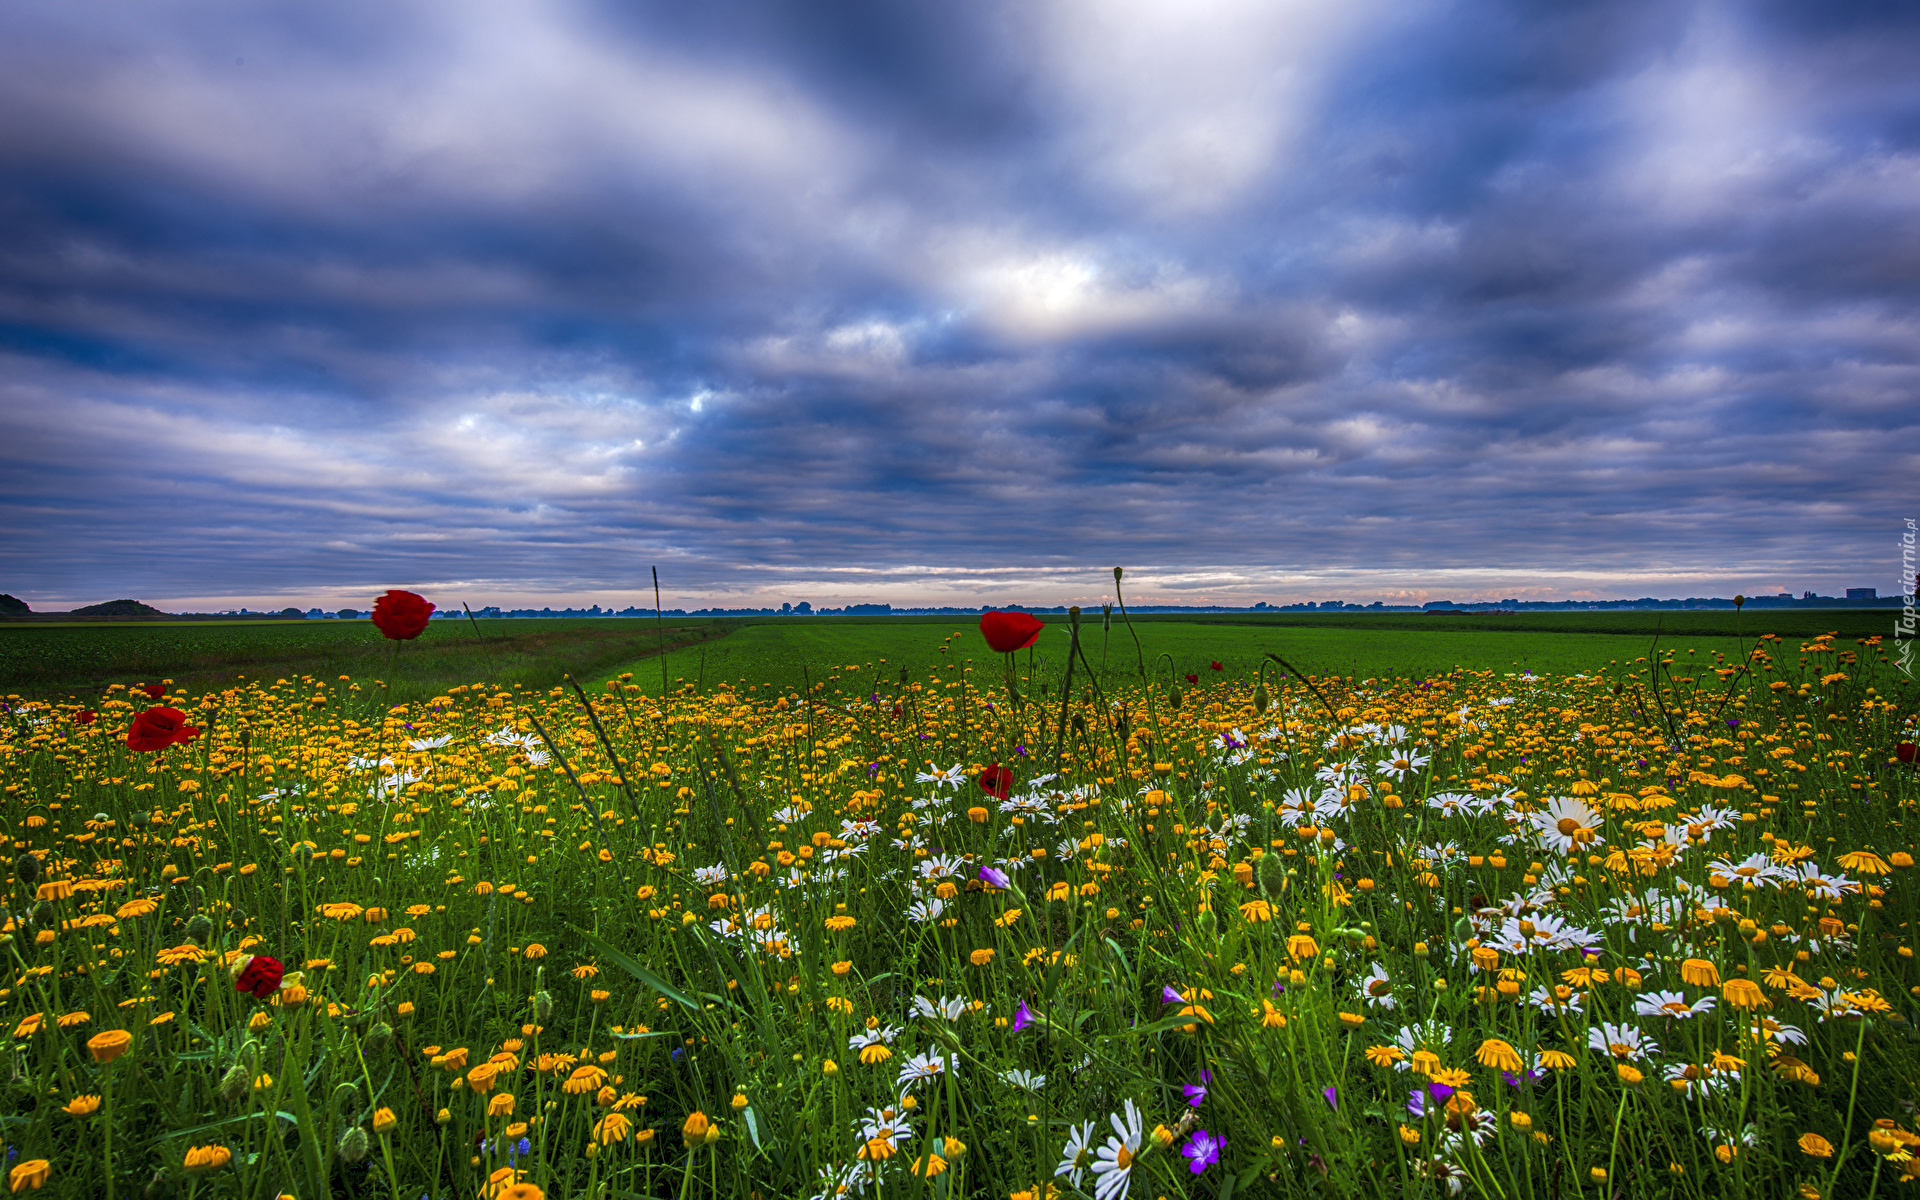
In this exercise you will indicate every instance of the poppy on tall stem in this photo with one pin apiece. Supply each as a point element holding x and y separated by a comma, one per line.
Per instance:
<point>401,615</point>
<point>1010,631</point>
<point>158,728</point>
<point>996,781</point>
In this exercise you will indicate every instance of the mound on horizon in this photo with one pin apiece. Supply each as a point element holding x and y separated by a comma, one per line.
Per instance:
<point>118,608</point>
<point>13,606</point>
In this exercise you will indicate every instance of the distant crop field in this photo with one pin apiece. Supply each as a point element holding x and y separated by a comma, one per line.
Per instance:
<point>58,659</point>
<point>786,653</point>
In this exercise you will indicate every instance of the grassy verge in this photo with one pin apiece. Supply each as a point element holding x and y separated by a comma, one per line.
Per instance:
<point>1474,933</point>
<point>55,660</point>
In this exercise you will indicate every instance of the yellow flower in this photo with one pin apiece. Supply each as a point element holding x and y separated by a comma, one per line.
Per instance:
<point>1385,1056</point>
<point>584,971</point>
<point>1409,1135</point>
<point>1556,1060</point>
<point>536,950</point>
<point>82,1106</point>
<point>1700,973</point>
<point>1302,947</point>
<point>201,1159</point>
<point>1271,1017</point>
<point>614,1127</point>
<point>383,1120</point>
<point>1629,1075</point>
<point>980,958</point>
<point>1500,1056</point>
<point>30,1174</point>
<point>695,1130</point>
<point>1744,993</point>
<point>1815,1145</point>
<point>109,1044</point>
<point>1257,911</point>
<point>840,924</point>
<point>29,1025</point>
<point>584,1080</point>
<point>1866,862</point>
<point>72,1019</point>
<point>501,1105</point>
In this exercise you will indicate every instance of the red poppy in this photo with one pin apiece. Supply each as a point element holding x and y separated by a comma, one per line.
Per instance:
<point>1216,666</point>
<point>996,781</point>
<point>401,615</point>
<point>1193,679</point>
<point>158,728</point>
<point>85,716</point>
<point>153,690</point>
<point>1907,753</point>
<point>260,977</point>
<point>1010,631</point>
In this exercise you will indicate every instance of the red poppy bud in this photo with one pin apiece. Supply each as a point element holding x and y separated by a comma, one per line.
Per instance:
<point>85,716</point>
<point>997,781</point>
<point>1907,752</point>
<point>1193,679</point>
<point>153,690</point>
<point>1010,631</point>
<point>1216,666</point>
<point>260,977</point>
<point>158,728</point>
<point>401,615</point>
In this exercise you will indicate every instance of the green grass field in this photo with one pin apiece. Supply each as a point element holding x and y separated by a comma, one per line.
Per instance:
<point>787,652</point>
<point>50,660</point>
<point>79,659</point>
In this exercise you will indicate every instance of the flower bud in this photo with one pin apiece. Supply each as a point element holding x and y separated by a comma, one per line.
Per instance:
<point>234,1083</point>
<point>1261,699</point>
<point>139,820</point>
<point>378,1036</point>
<point>26,869</point>
<point>354,1146</point>
<point>199,928</point>
<point>542,1005</point>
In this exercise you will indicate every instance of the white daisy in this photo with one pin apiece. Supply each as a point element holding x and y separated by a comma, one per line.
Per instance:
<point>1671,1004</point>
<point>1624,1042</point>
<point>1114,1169</point>
<point>1076,1156</point>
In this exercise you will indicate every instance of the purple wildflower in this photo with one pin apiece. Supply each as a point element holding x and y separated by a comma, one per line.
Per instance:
<point>1169,996</point>
<point>994,876</point>
<point>1331,1095</point>
<point>1204,1149</point>
<point>1197,1093</point>
<point>1022,1017</point>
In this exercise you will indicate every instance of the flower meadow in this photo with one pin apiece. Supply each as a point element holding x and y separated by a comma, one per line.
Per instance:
<point>971,930</point>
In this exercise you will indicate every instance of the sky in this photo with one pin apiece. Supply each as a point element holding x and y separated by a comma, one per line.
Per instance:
<point>936,303</point>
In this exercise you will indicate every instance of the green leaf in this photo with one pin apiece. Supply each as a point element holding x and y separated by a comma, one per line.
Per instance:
<point>620,959</point>
<point>753,1127</point>
<point>288,1117</point>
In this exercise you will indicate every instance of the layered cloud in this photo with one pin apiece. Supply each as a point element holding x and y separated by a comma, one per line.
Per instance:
<point>955,304</point>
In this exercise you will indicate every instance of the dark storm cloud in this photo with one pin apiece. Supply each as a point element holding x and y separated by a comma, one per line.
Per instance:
<point>969,301</point>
